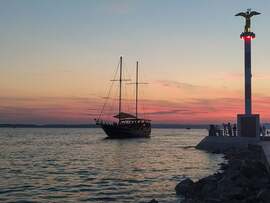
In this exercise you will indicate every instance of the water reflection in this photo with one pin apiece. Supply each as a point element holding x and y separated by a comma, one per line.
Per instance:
<point>73,165</point>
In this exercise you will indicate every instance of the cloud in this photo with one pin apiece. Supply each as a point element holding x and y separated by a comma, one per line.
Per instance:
<point>194,110</point>
<point>119,6</point>
<point>84,110</point>
<point>180,85</point>
<point>188,90</point>
<point>48,109</point>
<point>204,110</point>
<point>239,76</point>
<point>166,112</point>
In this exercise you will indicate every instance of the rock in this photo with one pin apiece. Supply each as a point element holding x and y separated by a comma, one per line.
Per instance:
<point>190,201</point>
<point>232,175</point>
<point>252,169</point>
<point>235,192</point>
<point>241,181</point>
<point>206,187</point>
<point>209,188</point>
<point>264,195</point>
<point>153,201</point>
<point>258,183</point>
<point>212,200</point>
<point>252,199</point>
<point>231,193</point>
<point>244,179</point>
<point>184,187</point>
<point>234,165</point>
<point>224,185</point>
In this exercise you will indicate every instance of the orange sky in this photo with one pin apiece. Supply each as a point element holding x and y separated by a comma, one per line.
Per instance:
<point>57,59</point>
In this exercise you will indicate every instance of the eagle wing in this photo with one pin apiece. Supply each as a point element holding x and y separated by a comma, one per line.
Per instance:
<point>241,14</point>
<point>253,13</point>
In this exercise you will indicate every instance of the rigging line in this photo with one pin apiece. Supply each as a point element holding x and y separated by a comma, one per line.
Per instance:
<point>125,95</point>
<point>126,105</point>
<point>143,104</point>
<point>109,92</point>
<point>110,106</point>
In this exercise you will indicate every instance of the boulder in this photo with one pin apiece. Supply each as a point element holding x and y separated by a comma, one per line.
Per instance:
<point>244,179</point>
<point>206,187</point>
<point>212,200</point>
<point>264,195</point>
<point>241,181</point>
<point>252,169</point>
<point>184,187</point>
<point>259,183</point>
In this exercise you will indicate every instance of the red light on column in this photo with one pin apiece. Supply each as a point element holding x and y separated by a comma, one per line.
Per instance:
<point>247,37</point>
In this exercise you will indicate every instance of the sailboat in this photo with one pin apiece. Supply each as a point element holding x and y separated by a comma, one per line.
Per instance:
<point>127,125</point>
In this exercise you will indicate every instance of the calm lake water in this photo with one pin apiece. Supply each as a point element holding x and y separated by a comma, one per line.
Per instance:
<point>79,165</point>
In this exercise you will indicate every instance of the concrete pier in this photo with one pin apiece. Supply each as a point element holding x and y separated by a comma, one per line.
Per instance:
<point>221,143</point>
<point>266,153</point>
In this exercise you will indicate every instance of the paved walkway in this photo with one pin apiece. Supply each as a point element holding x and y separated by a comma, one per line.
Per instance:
<point>266,148</point>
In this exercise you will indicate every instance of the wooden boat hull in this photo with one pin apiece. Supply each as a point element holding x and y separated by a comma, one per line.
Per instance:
<point>115,131</point>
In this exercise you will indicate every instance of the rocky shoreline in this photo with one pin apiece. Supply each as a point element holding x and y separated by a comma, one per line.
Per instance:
<point>244,179</point>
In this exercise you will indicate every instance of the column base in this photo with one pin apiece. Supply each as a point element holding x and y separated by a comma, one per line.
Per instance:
<point>248,125</point>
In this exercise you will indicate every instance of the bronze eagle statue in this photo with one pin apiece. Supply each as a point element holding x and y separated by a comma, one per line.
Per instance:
<point>247,15</point>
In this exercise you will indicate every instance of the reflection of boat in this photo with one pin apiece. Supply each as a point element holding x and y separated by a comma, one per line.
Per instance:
<point>128,125</point>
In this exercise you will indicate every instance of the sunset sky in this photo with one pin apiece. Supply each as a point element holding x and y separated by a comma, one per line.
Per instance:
<point>57,58</point>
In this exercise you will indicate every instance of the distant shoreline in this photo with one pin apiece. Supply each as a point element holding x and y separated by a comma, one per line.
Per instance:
<point>173,126</point>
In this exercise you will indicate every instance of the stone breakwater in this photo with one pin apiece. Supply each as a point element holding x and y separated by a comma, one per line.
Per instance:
<point>243,179</point>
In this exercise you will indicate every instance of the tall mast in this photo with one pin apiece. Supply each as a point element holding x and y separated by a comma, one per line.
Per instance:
<point>137,82</point>
<point>120,88</point>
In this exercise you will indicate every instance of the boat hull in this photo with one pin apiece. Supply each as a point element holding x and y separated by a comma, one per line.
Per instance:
<point>125,131</point>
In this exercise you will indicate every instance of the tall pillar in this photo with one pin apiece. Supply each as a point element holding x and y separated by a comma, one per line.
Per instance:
<point>248,100</point>
<point>248,124</point>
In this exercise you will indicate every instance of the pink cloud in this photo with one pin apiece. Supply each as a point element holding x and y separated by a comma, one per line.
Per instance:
<point>84,110</point>
<point>119,7</point>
